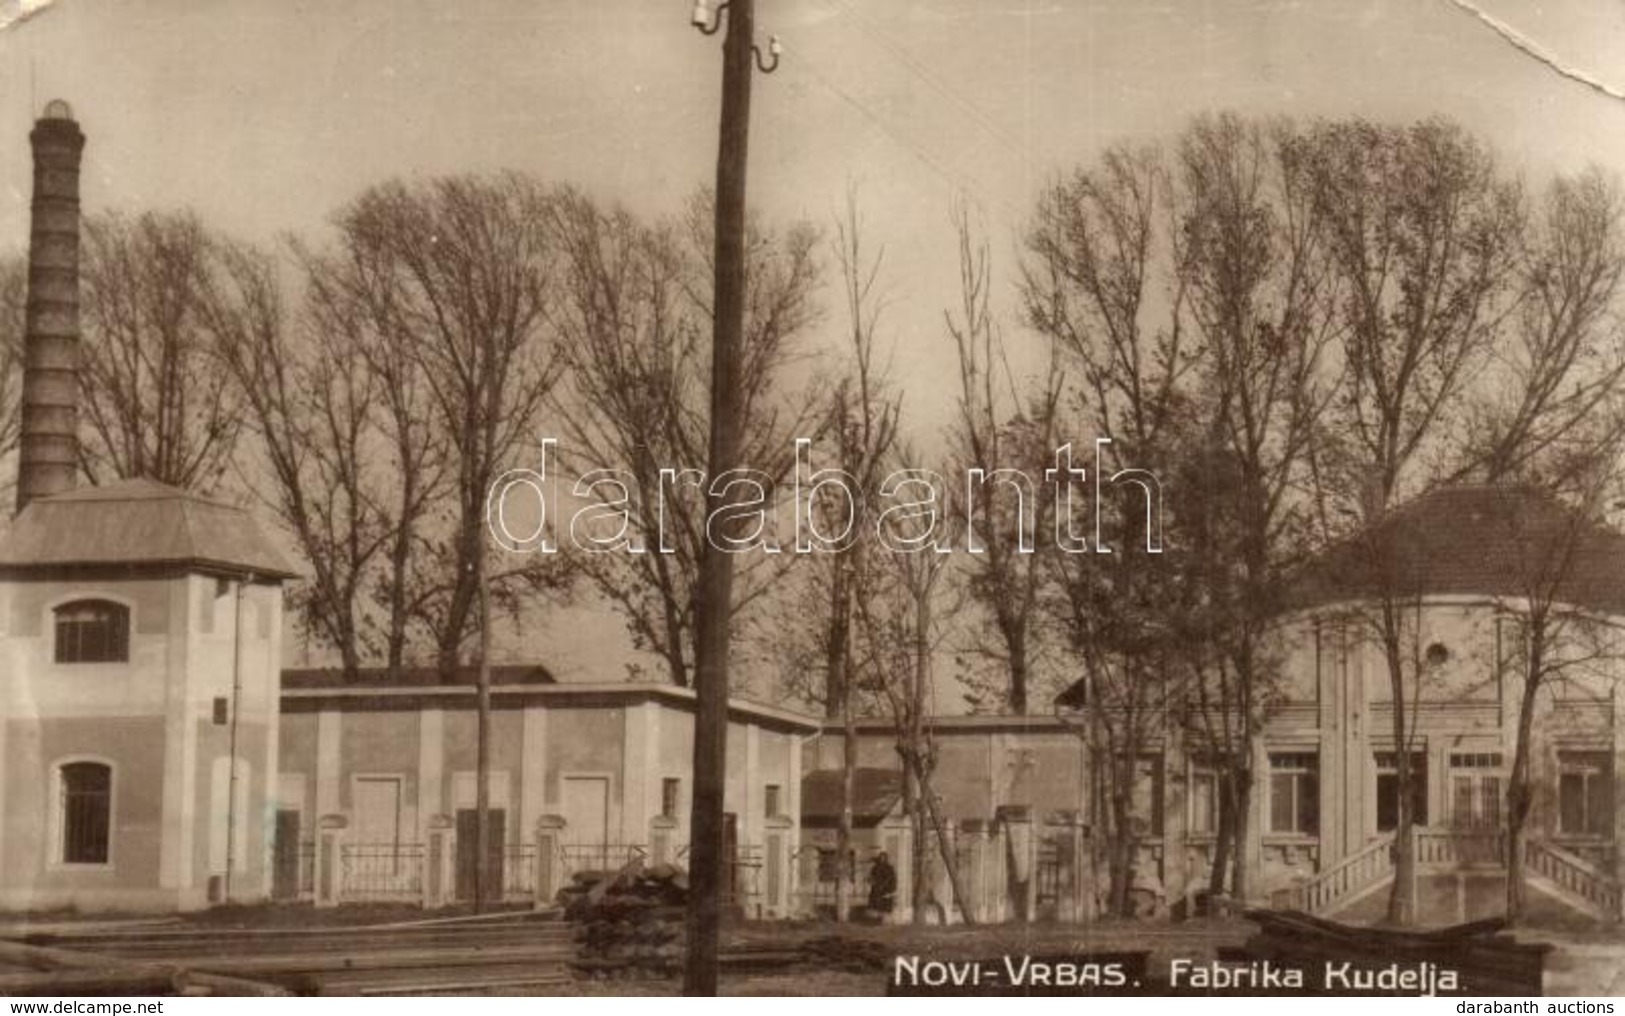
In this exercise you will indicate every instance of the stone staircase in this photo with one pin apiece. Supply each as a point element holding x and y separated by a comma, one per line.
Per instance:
<point>1567,879</point>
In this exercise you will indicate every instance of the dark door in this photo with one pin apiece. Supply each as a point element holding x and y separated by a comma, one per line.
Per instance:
<point>730,857</point>
<point>468,838</point>
<point>285,856</point>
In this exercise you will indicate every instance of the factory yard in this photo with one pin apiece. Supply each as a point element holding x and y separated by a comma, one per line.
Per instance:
<point>392,950</point>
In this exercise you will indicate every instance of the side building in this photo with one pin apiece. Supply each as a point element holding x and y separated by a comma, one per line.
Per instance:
<point>140,640</point>
<point>378,784</point>
<point>1024,797</point>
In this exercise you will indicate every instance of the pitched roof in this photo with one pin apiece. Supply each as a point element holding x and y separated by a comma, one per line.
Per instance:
<point>412,677</point>
<point>1476,540</point>
<point>139,523</point>
<point>875,792</point>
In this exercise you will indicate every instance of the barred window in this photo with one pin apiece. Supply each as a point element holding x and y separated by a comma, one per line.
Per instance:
<point>87,802</point>
<point>92,631</point>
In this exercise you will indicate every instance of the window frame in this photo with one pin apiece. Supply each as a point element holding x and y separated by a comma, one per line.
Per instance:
<point>1385,763</point>
<point>1207,782</point>
<point>123,617</point>
<point>57,817</point>
<point>1304,766</point>
<point>671,796</point>
<point>1478,772</point>
<point>1586,764</point>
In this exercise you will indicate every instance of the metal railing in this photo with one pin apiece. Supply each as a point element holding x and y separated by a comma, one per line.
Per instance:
<point>382,871</point>
<point>582,857</point>
<point>519,869</point>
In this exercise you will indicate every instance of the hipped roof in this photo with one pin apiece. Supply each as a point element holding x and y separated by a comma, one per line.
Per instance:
<point>1495,541</point>
<point>140,524</point>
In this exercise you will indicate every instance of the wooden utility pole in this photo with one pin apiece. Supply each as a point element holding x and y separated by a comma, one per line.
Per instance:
<point>482,758</point>
<point>715,593</point>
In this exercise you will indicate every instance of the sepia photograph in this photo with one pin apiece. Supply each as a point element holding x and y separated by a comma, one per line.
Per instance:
<point>1100,498</point>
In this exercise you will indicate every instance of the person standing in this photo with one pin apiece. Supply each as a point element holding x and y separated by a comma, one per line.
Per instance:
<point>882,886</point>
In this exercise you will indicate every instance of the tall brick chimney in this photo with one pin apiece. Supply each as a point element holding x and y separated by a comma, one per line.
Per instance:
<point>49,451</point>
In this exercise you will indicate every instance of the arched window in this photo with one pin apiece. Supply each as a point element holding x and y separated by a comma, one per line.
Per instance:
<point>87,806</point>
<point>92,631</point>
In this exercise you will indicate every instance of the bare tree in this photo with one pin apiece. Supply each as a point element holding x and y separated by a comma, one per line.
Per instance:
<point>1261,294</point>
<point>1423,235</point>
<point>633,315</point>
<point>1561,363</point>
<point>863,413</point>
<point>347,456</point>
<point>1008,435</point>
<point>459,272</point>
<point>899,631</point>
<point>156,402</point>
<point>1089,279</point>
<point>1554,550</point>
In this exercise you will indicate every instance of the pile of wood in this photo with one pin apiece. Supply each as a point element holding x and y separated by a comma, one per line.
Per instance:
<point>855,955</point>
<point>506,951</point>
<point>630,922</point>
<point>1485,961</point>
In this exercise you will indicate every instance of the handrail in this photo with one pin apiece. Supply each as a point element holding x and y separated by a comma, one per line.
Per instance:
<point>1345,878</point>
<point>1574,874</point>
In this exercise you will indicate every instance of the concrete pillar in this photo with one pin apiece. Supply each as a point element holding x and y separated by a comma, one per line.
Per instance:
<point>439,875</point>
<point>1074,885</point>
<point>330,860</point>
<point>1019,840</point>
<point>977,836</point>
<point>532,767</point>
<point>431,767</point>
<point>550,873</point>
<point>662,833</point>
<point>327,761</point>
<point>776,866</point>
<point>637,768</point>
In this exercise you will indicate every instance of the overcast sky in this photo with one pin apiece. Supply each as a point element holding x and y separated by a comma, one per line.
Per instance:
<point>265,115</point>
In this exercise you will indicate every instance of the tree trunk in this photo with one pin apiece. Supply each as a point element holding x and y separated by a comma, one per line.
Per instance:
<point>844,874</point>
<point>1241,814</point>
<point>1018,671</point>
<point>1402,897</point>
<point>944,845</point>
<point>1120,863</point>
<point>921,859</point>
<point>1519,797</point>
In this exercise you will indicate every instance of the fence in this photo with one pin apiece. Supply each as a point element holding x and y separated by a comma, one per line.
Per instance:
<point>382,871</point>
<point>519,870</point>
<point>1048,874</point>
